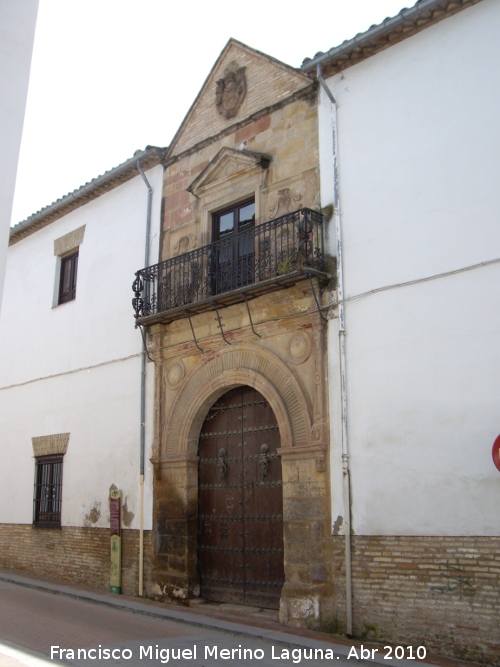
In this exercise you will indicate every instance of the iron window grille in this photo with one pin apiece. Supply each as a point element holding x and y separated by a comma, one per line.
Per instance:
<point>67,280</point>
<point>48,491</point>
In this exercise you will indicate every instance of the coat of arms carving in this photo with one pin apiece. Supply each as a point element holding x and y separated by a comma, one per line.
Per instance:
<point>230,91</point>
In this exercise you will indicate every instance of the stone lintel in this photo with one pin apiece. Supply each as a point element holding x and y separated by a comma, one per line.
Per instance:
<point>45,445</point>
<point>71,241</point>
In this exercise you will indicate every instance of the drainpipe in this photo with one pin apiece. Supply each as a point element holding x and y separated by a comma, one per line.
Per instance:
<point>143,395</point>
<point>343,388</point>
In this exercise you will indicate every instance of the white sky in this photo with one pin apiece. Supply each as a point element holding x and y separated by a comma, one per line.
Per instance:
<point>111,76</point>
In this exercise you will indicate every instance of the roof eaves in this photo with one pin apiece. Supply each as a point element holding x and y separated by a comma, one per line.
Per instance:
<point>392,30</point>
<point>150,157</point>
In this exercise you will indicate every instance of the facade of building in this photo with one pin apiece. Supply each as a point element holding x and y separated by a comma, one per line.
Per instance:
<point>241,508</point>
<point>320,311</point>
<point>418,200</point>
<point>70,361</point>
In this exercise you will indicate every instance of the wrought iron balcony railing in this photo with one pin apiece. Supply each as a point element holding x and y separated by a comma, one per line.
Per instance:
<point>268,256</point>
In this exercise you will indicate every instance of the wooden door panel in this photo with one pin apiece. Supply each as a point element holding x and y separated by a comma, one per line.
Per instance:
<point>263,506</point>
<point>240,541</point>
<point>220,539</point>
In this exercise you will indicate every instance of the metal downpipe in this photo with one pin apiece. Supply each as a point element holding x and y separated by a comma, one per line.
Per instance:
<point>346,473</point>
<point>143,395</point>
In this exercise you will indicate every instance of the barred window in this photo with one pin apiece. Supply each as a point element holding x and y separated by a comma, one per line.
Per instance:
<point>48,491</point>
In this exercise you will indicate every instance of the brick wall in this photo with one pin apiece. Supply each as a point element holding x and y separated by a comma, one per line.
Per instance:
<point>79,555</point>
<point>268,81</point>
<point>439,592</point>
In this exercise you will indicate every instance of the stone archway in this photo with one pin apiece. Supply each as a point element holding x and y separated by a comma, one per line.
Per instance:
<point>305,499</point>
<point>221,371</point>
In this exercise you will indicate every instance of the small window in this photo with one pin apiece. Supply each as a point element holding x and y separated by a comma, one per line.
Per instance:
<point>236,219</point>
<point>48,491</point>
<point>67,281</point>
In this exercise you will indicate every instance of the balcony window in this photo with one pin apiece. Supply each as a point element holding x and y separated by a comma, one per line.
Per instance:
<point>243,260</point>
<point>233,259</point>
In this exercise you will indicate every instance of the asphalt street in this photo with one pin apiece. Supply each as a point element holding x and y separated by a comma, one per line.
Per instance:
<point>41,627</point>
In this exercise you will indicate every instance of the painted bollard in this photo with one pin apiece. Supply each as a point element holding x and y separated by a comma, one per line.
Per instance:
<point>115,582</point>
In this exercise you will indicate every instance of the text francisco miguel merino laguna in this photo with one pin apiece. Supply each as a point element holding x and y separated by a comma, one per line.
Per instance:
<point>214,652</point>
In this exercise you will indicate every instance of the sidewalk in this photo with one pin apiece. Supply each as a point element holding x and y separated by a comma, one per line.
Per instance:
<point>221,617</point>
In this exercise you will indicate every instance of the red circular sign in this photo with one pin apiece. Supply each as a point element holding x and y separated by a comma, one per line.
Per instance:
<point>496,452</point>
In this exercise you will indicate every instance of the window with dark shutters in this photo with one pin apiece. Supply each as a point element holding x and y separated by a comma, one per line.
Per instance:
<point>67,284</point>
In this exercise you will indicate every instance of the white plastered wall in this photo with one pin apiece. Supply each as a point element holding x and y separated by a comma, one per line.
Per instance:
<point>418,143</point>
<point>76,367</point>
<point>17,33</point>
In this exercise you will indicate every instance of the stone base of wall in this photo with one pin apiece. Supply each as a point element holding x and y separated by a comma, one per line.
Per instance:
<point>78,555</point>
<point>439,592</point>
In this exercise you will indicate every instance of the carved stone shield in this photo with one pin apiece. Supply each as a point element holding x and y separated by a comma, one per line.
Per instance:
<point>230,91</point>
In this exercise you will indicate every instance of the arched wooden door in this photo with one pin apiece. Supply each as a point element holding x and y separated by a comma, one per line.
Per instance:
<point>240,506</point>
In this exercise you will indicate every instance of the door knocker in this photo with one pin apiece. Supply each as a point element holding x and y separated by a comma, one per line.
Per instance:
<point>221,464</point>
<point>264,460</point>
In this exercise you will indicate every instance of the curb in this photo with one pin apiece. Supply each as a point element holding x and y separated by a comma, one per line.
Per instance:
<point>197,619</point>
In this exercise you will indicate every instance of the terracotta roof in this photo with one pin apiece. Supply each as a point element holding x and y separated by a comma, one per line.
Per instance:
<point>392,30</point>
<point>149,157</point>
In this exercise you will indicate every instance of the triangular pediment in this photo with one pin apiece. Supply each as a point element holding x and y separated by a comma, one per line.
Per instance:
<point>242,82</point>
<point>226,164</point>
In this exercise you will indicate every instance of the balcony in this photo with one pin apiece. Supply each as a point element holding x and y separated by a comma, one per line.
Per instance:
<point>267,257</point>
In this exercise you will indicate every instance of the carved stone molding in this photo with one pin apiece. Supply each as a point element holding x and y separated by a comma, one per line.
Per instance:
<point>175,374</point>
<point>290,194</point>
<point>230,91</point>
<point>44,445</point>
<point>299,348</point>
<point>307,452</point>
<point>184,244</point>
<point>303,451</point>
<point>175,462</point>
<point>72,241</point>
<point>285,201</point>
<point>243,365</point>
<point>225,164</point>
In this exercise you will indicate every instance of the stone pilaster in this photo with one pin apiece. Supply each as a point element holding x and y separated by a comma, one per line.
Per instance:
<point>175,529</point>
<point>307,594</point>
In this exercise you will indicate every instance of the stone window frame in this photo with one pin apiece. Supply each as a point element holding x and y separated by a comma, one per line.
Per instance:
<point>218,199</point>
<point>65,247</point>
<point>232,177</point>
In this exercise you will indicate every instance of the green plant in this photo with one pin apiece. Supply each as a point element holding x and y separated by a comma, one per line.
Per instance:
<point>287,266</point>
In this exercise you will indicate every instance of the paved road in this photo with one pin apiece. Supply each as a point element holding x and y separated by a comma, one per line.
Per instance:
<point>32,622</point>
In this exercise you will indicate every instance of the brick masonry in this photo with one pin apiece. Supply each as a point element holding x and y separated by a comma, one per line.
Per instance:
<point>267,82</point>
<point>78,555</point>
<point>439,592</point>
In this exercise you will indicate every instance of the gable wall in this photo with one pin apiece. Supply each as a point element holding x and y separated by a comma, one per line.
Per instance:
<point>267,80</point>
<point>288,136</point>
